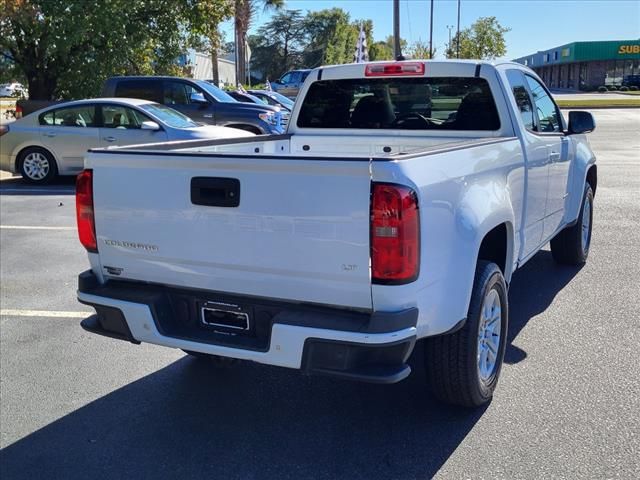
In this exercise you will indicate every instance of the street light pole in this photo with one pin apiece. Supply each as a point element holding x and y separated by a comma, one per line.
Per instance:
<point>396,29</point>
<point>431,33</point>
<point>458,34</point>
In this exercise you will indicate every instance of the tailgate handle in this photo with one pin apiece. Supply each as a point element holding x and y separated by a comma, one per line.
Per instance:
<point>215,191</point>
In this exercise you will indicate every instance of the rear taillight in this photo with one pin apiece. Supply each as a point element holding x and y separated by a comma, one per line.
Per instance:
<point>4,129</point>
<point>395,234</point>
<point>18,113</point>
<point>84,211</point>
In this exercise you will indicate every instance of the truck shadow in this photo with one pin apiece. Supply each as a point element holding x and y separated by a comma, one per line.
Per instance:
<point>17,186</point>
<point>533,288</point>
<point>190,420</point>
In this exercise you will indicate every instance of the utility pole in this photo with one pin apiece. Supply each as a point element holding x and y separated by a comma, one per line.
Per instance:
<point>396,29</point>
<point>458,34</point>
<point>450,27</point>
<point>431,33</point>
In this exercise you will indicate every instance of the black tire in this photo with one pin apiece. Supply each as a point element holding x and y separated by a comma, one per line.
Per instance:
<point>215,360</point>
<point>46,159</point>
<point>452,361</point>
<point>568,247</point>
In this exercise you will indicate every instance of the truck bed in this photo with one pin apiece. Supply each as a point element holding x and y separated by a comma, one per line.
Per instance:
<point>389,147</point>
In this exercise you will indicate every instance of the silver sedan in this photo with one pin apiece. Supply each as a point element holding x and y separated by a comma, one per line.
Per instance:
<point>53,141</point>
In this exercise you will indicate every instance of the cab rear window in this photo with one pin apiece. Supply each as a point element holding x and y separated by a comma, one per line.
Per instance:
<point>439,103</point>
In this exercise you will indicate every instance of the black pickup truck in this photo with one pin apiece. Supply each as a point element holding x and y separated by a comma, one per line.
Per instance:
<point>199,100</point>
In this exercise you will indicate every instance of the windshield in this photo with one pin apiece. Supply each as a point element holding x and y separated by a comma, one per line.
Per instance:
<point>439,103</point>
<point>215,92</point>
<point>287,102</point>
<point>168,115</point>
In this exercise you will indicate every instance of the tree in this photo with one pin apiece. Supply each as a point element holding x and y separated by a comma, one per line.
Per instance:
<point>66,48</point>
<point>484,40</point>
<point>328,33</point>
<point>383,50</point>
<point>380,51</point>
<point>420,50</point>
<point>332,37</point>
<point>278,45</point>
<point>204,17</point>
<point>244,10</point>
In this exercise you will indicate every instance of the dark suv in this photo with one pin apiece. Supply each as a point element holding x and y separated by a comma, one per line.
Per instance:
<point>199,100</point>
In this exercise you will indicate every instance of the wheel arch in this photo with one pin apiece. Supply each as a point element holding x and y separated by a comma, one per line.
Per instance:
<point>497,246</point>
<point>246,127</point>
<point>584,170</point>
<point>592,177</point>
<point>22,148</point>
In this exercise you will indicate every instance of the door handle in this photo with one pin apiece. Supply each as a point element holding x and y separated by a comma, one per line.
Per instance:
<point>110,139</point>
<point>215,191</point>
<point>554,156</point>
<point>50,134</point>
<point>208,115</point>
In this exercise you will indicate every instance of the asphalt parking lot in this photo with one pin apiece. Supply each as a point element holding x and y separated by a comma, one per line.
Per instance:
<point>75,405</point>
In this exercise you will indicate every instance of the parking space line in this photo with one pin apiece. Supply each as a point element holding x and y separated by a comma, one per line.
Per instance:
<point>33,227</point>
<point>43,313</point>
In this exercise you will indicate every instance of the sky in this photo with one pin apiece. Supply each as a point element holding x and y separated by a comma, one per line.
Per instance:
<point>535,24</point>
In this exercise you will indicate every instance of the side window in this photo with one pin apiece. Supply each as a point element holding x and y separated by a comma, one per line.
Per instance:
<point>142,89</point>
<point>295,77</point>
<point>47,118</point>
<point>179,93</point>
<point>82,116</point>
<point>546,110</point>
<point>522,98</point>
<point>118,116</point>
<point>286,78</point>
<point>304,76</point>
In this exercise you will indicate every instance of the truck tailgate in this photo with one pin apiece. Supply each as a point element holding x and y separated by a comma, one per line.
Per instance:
<point>299,232</point>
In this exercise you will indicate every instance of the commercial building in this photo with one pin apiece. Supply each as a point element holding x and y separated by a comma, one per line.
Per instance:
<point>200,66</point>
<point>587,65</point>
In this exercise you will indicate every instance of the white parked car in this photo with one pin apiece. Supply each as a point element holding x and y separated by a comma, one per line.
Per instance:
<point>12,90</point>
<point>53,141</point>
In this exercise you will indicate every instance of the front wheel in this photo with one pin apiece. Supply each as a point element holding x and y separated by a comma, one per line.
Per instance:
<point>463,367</point>
<point>37,165</point>
<point>571,245</point>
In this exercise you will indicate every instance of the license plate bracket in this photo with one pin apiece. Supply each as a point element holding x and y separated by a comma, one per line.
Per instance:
<point>227,316</point>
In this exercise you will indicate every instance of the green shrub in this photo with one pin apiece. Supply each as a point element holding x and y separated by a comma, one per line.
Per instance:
<point>624,88</point>
<point>602,89</point>
<point>633,88</point>
<point>613,88</point>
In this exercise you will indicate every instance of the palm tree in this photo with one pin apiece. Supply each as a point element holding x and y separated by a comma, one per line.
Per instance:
<point>244,12</point>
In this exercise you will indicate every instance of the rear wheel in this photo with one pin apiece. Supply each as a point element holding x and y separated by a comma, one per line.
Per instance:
<point>37,165</point>
<point>571,245</point>
<point>463,367</point>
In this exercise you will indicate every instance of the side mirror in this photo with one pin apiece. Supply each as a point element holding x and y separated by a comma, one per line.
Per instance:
<point>581,122</point>
<point>198,97</point>
<point>149,125</point>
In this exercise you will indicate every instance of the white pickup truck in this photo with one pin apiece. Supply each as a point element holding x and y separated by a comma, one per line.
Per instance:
<point>395,209</point>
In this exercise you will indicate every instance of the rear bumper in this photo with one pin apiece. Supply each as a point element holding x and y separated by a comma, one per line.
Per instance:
<point>370,347</point>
